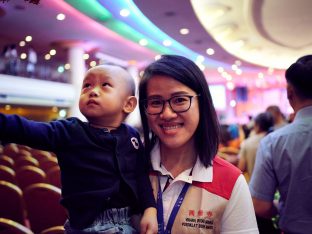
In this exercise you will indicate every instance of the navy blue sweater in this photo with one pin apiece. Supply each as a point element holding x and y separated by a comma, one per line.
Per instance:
<point>94,163</point>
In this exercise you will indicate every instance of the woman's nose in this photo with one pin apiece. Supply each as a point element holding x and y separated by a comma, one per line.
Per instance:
<point>167,111</point>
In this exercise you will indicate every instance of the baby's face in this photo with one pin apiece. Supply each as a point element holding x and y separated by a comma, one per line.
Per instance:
<point>103,94</point>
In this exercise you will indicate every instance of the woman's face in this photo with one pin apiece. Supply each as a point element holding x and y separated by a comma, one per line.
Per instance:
<point>174,130</point>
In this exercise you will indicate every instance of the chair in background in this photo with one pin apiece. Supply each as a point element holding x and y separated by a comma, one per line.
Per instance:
<point>26,161</point>
<point>40,155</point>
<point>23,152</point>
<point>28,175</point>
<point>10,150</point>
<point>54,176</point>
<point>6,161</point>
<point>7,174</point>
<point>8,226</point>
<point>43,207</point>
<point>54,230</point>
<point>11,202</point>
<point>24,147</point>
<point>48,163</point>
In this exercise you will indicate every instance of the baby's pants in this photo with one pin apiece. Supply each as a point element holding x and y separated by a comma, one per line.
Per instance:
<point>111,221</point>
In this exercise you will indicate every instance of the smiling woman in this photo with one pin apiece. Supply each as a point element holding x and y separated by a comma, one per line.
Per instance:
<point>181,135</point>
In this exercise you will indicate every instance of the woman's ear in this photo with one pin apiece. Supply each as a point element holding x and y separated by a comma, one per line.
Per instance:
<point>130,104</point>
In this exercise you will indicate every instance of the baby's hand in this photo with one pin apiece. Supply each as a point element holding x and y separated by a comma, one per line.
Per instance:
<point>149,223</point>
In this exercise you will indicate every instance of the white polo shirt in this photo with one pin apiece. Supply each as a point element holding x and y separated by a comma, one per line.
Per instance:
<point>238,215</point>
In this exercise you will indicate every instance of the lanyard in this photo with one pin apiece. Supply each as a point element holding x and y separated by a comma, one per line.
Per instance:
<point>160,209</point>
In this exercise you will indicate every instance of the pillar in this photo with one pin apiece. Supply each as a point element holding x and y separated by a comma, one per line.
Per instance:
<point>78,70</point>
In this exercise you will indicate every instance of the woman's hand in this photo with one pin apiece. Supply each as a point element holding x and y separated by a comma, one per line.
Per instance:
<point>148,224</point>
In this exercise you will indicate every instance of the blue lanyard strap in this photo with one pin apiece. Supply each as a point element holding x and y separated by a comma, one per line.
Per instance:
<point>160,209</point>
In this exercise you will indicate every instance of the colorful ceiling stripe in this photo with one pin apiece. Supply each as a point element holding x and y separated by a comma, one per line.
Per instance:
<point>135,27</point>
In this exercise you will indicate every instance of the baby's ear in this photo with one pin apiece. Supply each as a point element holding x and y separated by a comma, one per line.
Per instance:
<point>130,104</point>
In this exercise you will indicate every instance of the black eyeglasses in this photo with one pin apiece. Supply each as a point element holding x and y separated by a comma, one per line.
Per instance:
<point>178,104</point>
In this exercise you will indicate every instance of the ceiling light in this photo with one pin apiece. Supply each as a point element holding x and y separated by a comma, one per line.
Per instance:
<point>62,113</point>
<point>47,57</point>
<point>86,56</point>
<point>238,72</point>
<point>157,57</point>
<point>210,51</point>
<point>52,52</point>
<point>67,66</point>
<point>22,43</point>
<point>224,74</point>
<point>220,69</point>
<point>232,103</point>
<point>228,77</point>
<point>184,31</point>
<point>167,42</point>
<point>234,67</point>
<point>260,75</point>
<point>60,17</point>
<point>230,85</point>
<point>200,65</point>
<point>124,12</point>
<point>143,42</point>
<point>23,56</point>
<point>92,63</point>
<point>200,59</point>
<point>60,69</point>
<point>28,38</point>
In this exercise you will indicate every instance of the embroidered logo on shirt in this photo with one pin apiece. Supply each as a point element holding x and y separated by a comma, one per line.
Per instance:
<point>135,142</point>
<point>199,219</point>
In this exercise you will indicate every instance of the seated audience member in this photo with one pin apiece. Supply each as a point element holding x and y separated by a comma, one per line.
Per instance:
<point>284,159</point>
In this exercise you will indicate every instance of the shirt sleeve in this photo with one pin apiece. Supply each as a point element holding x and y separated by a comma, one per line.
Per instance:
<point>41,135</point>
<point>239,215</point>
<point>263,183</point>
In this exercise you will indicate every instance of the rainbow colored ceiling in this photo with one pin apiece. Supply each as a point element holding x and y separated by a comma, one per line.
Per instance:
<point>136,27</point>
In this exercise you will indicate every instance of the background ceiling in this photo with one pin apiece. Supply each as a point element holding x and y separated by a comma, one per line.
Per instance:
<point>261,37</point>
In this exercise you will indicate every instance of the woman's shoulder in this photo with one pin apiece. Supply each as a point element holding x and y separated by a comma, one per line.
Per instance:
<point>223,170</point>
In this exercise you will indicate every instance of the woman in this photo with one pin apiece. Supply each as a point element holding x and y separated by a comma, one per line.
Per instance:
<point>196,192</point>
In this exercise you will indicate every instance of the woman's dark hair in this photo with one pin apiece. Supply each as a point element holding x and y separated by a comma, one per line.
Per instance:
<point>188,73</point>
<point>299,75</point>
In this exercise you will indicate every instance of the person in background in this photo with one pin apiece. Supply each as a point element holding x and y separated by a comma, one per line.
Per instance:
<point>31,62</point>
<point>11,59</point>
<point>196,191</point>
<point>263,122</point>
<point>283,160</point>
<point>279,118</point>
<point>104,172</point>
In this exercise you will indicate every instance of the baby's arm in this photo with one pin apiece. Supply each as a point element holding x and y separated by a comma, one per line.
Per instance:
<point>14,128</point>
<point>149,223</point>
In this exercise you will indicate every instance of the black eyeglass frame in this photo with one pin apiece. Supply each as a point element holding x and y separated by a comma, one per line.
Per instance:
<point>169,101</point>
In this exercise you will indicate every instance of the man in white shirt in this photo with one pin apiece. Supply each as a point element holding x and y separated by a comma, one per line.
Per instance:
<point>284,159</point>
